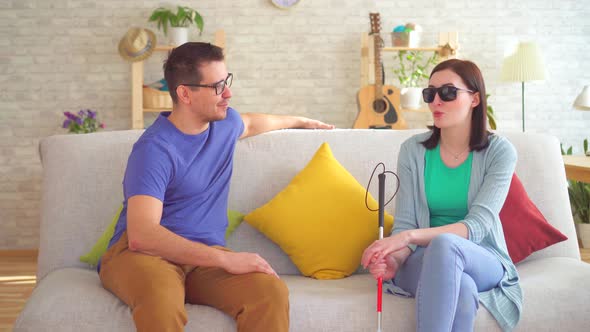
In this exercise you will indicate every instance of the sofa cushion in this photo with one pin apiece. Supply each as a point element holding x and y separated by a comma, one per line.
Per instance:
<point>525,228</point>
<point>555,294</point>
<point>72,299</point>
<point>320,219</point>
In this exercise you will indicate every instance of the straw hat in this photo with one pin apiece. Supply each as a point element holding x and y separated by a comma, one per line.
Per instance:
<point>137,44</point>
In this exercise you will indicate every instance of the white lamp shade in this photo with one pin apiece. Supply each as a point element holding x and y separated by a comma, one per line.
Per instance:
<point>582,102</point>
<point>526,64</point>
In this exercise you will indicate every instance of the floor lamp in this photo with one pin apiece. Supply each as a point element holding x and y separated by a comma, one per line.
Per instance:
<point>524,65</point>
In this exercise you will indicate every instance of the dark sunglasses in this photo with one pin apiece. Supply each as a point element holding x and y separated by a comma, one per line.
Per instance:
<point>445,92</point>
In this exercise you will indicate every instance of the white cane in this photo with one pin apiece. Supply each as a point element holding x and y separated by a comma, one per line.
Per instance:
<point>380,279</point>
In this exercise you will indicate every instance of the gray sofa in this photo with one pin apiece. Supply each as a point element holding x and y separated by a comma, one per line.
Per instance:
<point>82,191</point>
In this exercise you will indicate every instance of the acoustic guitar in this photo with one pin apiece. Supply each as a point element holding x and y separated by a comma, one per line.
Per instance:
<point>378,104</point>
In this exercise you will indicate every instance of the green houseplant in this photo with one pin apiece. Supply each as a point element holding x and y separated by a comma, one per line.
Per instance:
<point>85,121</point>
<point>178,22</point>
<point>579,194</point>
<point>183,18</point>
<point>490,113</point>
<point>412,72</point>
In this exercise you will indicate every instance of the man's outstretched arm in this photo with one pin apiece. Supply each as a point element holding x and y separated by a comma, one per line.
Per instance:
<point>146,235</point>
<point>256,123</point>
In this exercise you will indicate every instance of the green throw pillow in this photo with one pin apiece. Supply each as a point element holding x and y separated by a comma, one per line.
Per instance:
<point>100,247</point>
<point>234,219</point>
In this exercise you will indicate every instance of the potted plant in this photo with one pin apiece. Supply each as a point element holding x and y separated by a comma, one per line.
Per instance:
<point>490,113</point>
<point>412,73</point>
<point>82,123</point>
<point>579,194</point>
<point>179,22</point>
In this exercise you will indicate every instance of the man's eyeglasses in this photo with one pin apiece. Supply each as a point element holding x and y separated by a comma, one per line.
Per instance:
<point>445,92</point>
<point>219,86</point>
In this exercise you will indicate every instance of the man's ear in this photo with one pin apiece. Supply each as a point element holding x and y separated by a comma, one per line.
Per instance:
<point>476,99</point>
<point>183,94</point>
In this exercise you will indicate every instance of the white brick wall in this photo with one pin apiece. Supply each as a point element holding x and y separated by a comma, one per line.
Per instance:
<point>61,55</point>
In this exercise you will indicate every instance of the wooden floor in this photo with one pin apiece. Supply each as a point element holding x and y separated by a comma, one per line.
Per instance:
<point>17,280</point>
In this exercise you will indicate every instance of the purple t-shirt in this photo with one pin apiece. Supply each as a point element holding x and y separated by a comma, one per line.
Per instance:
<point>190,174</point>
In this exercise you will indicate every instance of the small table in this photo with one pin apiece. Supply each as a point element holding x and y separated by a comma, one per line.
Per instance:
<point>577,168</point>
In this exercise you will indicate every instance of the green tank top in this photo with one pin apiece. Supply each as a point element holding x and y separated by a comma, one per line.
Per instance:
<point>446,188</point>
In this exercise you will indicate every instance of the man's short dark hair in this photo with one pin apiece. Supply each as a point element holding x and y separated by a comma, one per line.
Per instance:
<point>182,65</point>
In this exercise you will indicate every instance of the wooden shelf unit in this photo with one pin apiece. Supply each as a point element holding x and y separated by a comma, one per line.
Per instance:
<point>448,44</point>
<point>404,48</point>
<point>137,69</point>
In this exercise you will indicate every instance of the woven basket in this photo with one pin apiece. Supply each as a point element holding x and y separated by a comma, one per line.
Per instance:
<point>153,98</point>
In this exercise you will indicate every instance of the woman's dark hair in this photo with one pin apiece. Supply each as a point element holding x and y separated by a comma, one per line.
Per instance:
<point>471,76</point>
<point>182,65</point>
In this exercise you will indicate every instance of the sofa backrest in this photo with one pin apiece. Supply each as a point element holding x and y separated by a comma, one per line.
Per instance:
<point>82,190</point>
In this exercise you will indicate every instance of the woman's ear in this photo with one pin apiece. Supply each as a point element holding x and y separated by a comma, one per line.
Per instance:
<point>476,100</point>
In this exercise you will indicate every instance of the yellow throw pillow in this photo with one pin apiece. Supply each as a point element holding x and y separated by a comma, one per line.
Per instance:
<point>320,219</point>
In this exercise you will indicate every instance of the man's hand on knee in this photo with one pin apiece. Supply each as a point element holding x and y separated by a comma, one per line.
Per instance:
<point>245,262</point>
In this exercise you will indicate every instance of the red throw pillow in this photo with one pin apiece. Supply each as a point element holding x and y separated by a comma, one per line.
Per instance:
<point>525,228</point>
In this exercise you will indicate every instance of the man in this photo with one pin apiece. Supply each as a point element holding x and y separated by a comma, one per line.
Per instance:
<point>168,246</point>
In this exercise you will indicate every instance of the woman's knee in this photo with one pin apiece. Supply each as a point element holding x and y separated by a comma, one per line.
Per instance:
<point>443,244</point>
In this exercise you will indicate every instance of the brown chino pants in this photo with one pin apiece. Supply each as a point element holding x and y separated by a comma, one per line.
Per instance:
<point>156,291</point>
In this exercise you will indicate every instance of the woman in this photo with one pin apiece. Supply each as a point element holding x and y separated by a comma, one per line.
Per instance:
<point>447,247</point>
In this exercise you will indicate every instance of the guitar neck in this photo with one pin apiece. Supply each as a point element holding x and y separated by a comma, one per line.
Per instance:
<point>378,71</point>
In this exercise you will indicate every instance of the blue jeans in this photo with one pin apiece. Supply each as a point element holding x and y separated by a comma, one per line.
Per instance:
<point>445,278</point>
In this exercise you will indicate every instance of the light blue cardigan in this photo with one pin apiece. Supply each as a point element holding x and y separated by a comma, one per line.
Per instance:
<point>491,173</point>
